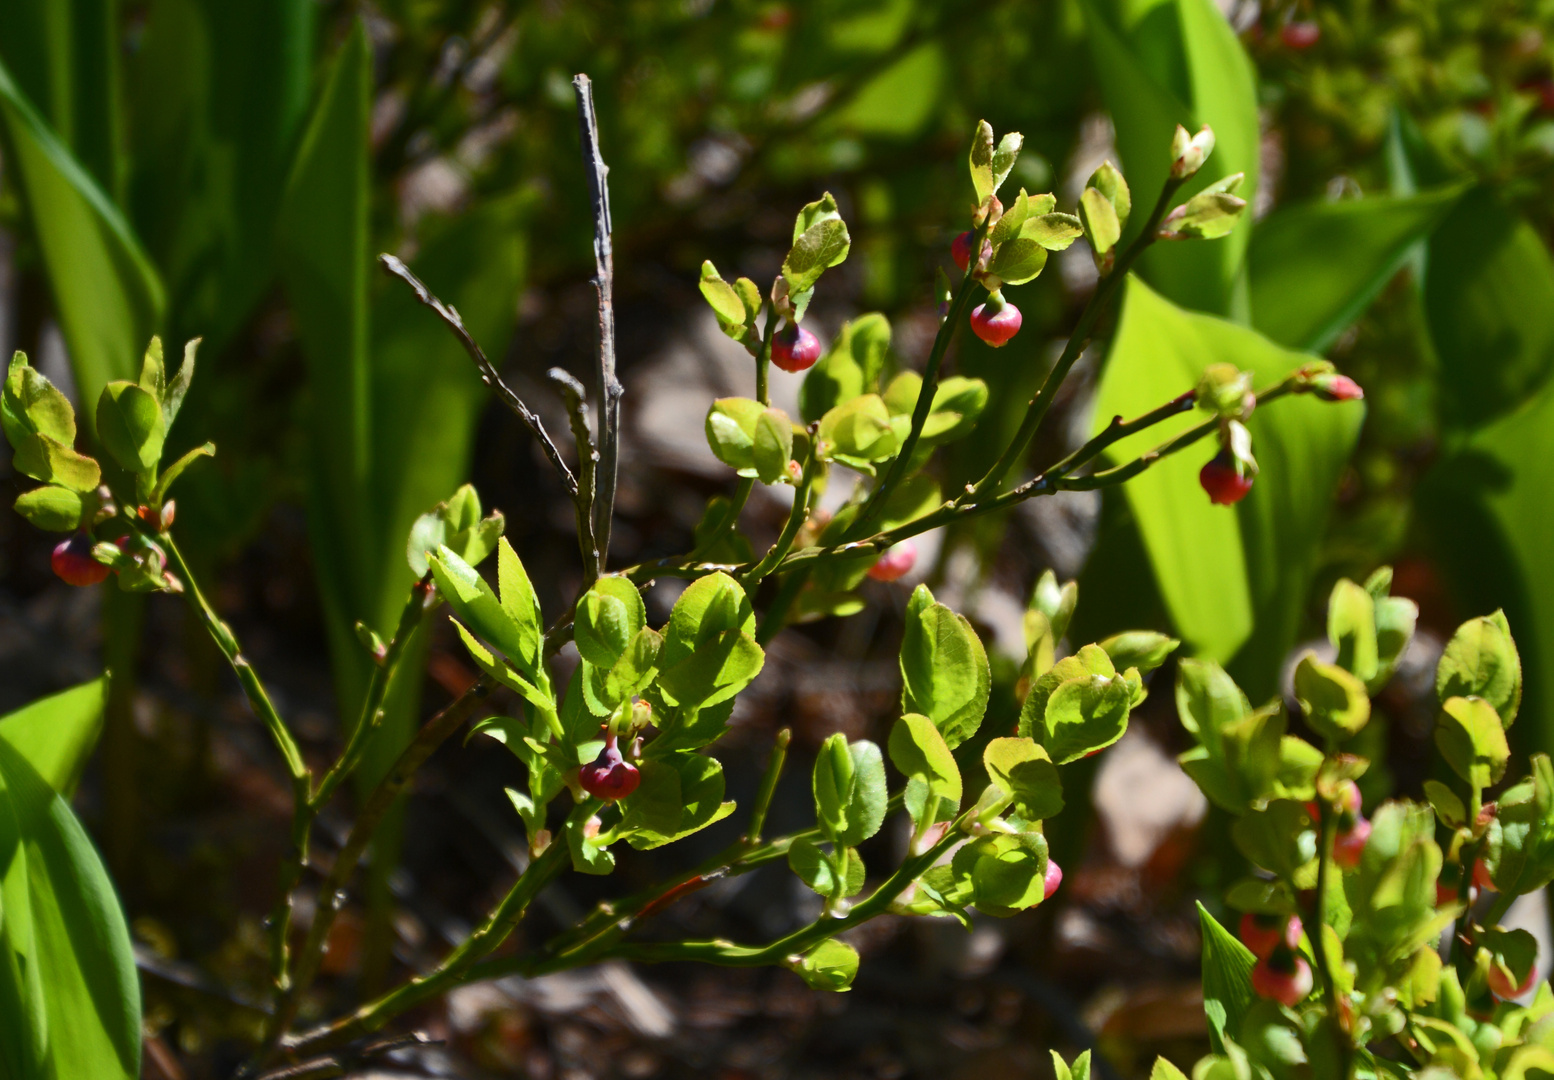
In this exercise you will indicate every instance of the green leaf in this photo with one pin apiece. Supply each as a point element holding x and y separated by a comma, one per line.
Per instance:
<point>1164,1070</point>
<point>1396,617</point>
<point>1234,581</point>
<point>34,406</point>
<point>1351,627</point>
<point>69,994</point>
<point>849,787</point>
<point>176,469</point>
<point>721,667</point>
<point>1471,739</point>
<point>221,90</point>
<point>773,446</point>
<point>1018,261</point>
<point>1481,661</point>
<point>1227,979</point>
<point>857,433</point>
<point>708,607</point>
<point>817,869</point>
<point>655,806</point>
<point>1334,700</point>
<point>1489,299</point>
<point>51,508</point>
<point>1007,871</point>
<point>587,857</point>
<point>1179,62</point>
<point>458,524</point>
<point>1025,770</point>
<point>831,965</point>
<point>820,241</point>
<point>1099,218</point>
<point>731,424</point>
<point>1084,715</point>
<point>1395,889</point>
<point>701,801</point>
<point>57,734</point>
<point>990,165</point>
<point>851,366</point>
<point>608,616</point>
<point>109,297</point>
<point>477,607</point>
<point>1448,807</point>
<point>944,668</point>
<point>1520,858</point>
<point>131,427</point>
<point>724,301</point>
<point>1142,649</point>
<point>1208,215</point>
<point>1314,268</point>
<point>919,751</point>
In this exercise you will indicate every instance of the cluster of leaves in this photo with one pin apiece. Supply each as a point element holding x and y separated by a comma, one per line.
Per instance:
<point>1373,898</point>
<point>80,492</point>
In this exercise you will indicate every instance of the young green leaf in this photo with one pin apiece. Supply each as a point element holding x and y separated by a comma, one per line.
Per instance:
<point>708,607</point>
<point>1007,871</point>
<point>1471,739</point>
<point>1481,661</point>
<point>851,366</point>
<point>1334,700</point>
<point>731,424</point>
<point>772,446</point>
<point>51,508</point>
<point>857,433</point>
<point>609,615</point>
<point>1520,858</point>
<point>919,751</point>
<point>944,668</point>
<point>1084,715</point>
<point>1142,649</point>
<point>820,241</point>
<point>1351,627</point>
<point>721,667</point>
<point>1024,769</point>
<point>131,426</point>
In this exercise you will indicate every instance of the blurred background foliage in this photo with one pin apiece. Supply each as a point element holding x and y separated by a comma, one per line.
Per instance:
<point>229,169</point>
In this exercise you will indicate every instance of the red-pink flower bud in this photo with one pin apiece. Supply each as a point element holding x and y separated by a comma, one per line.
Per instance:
<point>996,321</point>
<point>896,563</point>
<point>1283,977</point>
<point>1335,387</point>
<point>1223,481</point>
<point>1263,933</point>
<point>1349,845</point>
<point>609,776</point>
<point>960,249</point>
<point>795,348</point>
<point>1300,35</point>
<point>1052,880</point>
<point>1500,983</point>
<point>72,561</point>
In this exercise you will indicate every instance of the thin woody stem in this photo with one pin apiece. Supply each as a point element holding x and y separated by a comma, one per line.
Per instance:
<point>488,372</point>
<point>420,603</point>
<point>1099,301</point>
<point>431,735</point>
<point>301,779</point>
<point>485,939</point>
<point>609,387</point>
<point>952,320</point>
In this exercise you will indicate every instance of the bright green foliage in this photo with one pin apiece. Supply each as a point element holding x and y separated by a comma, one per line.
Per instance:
<point>944,669</point>
<point>69,993</point>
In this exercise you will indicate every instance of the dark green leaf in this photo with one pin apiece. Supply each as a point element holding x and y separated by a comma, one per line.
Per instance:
<point>1234,581</point>
<point>1315,267</point>
<point>109,297</point>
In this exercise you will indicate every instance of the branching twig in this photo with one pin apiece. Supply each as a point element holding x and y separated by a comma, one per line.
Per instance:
<point>488,373</point>
<point>341,1064</point>
<point>587,466</point>
<point>1099,301</point>
<point>609,387</point>
<point>432,735</point>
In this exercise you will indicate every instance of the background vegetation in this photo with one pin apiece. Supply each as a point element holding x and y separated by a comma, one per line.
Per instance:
<point>229,169</point>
